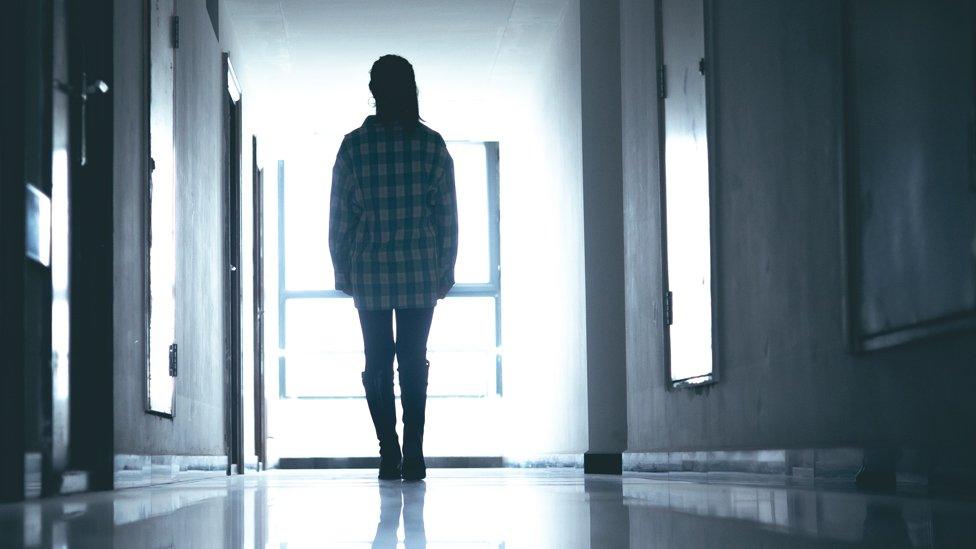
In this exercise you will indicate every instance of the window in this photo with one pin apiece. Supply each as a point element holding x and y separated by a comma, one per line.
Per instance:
<point>320,341</point>
<point>161,211</point>
<point>687,200</point>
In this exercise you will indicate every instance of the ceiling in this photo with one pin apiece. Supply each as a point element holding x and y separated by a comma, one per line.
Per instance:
<point>305,63</point>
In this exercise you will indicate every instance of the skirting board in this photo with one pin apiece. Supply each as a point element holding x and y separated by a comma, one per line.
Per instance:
<point>133,470</point>
<point>252,464</point>
<point>602,464</point>
<point>32,475</point>
<point>795,466</point>
<point>544,460</point>
<point>462,462</point>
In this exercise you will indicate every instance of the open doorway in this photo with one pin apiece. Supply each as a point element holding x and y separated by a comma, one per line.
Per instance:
<point>233,350</point>
<point>257,220</point>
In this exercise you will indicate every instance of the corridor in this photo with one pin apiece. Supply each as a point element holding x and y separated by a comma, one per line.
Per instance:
<point>484,508</point>
<point>620,273</point>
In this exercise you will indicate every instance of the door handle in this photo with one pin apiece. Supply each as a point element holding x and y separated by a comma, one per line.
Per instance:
<point>972,157</point>
<point>97,87</point>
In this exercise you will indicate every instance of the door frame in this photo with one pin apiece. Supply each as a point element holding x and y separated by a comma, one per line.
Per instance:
<point>12,249</point>
<point>260,411</point>
<point>233,329</point>
<point>711,117</point>
<point>56,418</point>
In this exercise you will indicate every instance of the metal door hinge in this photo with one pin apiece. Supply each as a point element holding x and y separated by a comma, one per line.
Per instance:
<point>668,309</point>
<point>662,82</point>
<point>172,360</point>
<point>175,31</point>
<point>701,66</point>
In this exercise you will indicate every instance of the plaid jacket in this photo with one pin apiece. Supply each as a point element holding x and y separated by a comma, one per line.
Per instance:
<point>393,218</point>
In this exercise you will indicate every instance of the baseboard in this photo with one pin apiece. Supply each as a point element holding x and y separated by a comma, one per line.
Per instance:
<point>459,462</point>
<point>544,460</point>
<point>252,464</point>
<point>602,464</point>
<point>133,470</point>
<point>32,475</point>
<point>911,467</point>
<point>74,482</point>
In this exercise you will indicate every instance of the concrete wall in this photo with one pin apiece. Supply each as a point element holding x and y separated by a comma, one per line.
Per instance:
<point>603,225</point>
<point>787,380</point>
<point>562,245</point>
<point>643,282</point>
<point>544,322</point>
<point>198,425</point>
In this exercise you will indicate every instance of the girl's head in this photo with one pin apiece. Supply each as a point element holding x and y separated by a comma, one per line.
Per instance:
<point>394,87</point>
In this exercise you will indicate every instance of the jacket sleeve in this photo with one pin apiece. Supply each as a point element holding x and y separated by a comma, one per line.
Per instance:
<point>344,212</point>
<point>445,220</point>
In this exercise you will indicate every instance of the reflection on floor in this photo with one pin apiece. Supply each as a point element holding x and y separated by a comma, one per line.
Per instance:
<point>481,508</point>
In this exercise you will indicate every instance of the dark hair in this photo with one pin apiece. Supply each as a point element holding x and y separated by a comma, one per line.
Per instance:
<point>394,87</point>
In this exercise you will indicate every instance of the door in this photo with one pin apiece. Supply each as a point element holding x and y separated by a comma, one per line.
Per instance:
<point>50,90</point>
<point>260,419</point>
<point>91,246</point>
<point>232,273</point>
<point>12,249</point>
<point>39,248</point>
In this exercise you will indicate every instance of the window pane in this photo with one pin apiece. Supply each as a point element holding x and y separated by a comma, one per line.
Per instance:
<point>461,373</point>
<point>687,193</point>
<point>335,374</point>
<point>162,219</point>
<point>324,347</point>
<point>471,181</point>
<point>462,347</point>
<point>308,265</point>
<point>322,324</point>
<point>316,374</point>
<point>463,324</point>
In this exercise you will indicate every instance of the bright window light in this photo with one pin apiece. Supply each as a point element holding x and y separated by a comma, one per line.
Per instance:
<point>322,347</point>
<point>687,199</point>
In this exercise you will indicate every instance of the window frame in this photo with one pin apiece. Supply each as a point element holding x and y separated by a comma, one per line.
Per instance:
<point>490,289</point>
<point>711,117</point>
<point>147,197</point>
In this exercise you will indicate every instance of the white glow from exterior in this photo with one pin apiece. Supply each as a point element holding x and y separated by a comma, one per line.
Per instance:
<point>323,346</point>
<point>689,257</point>
<point>470,171</point>
<point>60,272</point>
<point>162,217</point>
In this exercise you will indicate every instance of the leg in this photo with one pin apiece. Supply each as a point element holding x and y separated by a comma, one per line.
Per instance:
<point>413,327</point>
<point>378,382</point>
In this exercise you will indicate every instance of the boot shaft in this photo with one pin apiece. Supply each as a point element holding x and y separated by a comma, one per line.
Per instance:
<point>413,397</point>
<point>382,407</point>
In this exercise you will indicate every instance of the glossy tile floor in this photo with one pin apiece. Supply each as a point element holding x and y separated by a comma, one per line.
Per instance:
<point>480,509</point>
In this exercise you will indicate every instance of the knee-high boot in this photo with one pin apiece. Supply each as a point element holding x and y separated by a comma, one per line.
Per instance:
<point>413,396</point>
<point>382,408</point>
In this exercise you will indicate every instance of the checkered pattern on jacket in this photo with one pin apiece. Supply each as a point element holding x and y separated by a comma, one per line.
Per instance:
<point>393,217</point>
